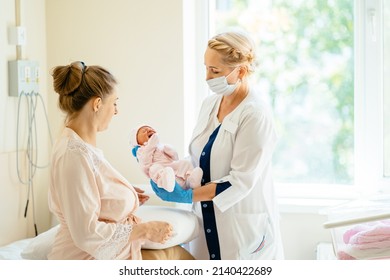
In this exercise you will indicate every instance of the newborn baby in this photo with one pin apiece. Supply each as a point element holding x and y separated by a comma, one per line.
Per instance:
<point>160,162</point>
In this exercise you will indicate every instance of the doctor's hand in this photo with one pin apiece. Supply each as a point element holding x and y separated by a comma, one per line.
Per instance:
<point>177,195</point>
<point>134,151</point>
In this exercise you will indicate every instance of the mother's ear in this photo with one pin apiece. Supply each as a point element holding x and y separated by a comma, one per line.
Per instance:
<point>97,102</point>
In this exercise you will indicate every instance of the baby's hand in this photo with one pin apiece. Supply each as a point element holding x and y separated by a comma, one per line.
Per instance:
<point>153,140</point>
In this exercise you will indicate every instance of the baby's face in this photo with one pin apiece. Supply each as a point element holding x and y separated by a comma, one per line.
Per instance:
<point>144,134</point>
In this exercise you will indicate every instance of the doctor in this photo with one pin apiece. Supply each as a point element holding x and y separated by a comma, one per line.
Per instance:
<point>233,143</point>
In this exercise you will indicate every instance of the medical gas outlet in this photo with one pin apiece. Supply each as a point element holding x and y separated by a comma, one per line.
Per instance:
<point>23,76</point>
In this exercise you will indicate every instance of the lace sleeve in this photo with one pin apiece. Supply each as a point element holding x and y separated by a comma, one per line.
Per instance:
<point>110,249</point>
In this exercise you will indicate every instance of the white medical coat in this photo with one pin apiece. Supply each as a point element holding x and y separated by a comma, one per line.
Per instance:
<point>246,213</point>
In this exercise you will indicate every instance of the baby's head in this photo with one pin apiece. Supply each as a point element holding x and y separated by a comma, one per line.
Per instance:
<point>141,134</point>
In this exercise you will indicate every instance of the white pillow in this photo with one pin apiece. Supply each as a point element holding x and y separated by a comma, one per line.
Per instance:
<point>185,224</point>
<point>40,246</point>
<point>185,227</point>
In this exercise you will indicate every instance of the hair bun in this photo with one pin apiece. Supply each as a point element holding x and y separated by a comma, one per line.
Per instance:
<point>66,79</point>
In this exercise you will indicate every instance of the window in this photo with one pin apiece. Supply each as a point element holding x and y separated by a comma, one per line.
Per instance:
<point>321,68</point>
<point>386,97</point>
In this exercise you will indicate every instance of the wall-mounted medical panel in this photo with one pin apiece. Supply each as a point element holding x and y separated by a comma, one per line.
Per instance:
<point>23,76</point>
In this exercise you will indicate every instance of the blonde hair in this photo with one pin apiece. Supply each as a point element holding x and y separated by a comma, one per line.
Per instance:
<point>77,83</point>
<point>236,49</point>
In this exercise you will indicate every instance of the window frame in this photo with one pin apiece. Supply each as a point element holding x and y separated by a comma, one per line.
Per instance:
<point>369,98</point>
<point>368,103</point>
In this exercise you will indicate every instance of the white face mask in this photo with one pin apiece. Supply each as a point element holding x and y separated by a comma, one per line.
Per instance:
<point>220,85</point>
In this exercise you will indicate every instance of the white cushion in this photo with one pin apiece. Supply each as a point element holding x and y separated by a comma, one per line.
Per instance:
<point>185,227</point>
<point>13,250</point>
<point>40,246</point>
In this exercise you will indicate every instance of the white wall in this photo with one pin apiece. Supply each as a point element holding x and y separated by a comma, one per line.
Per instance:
<point>13,194</point>
<point>141,42</point>
<point>301,233</point>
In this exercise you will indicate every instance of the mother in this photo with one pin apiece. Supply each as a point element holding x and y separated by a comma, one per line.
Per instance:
<point>94,204</point>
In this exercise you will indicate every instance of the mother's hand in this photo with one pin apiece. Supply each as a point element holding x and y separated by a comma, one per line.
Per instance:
<point>141,196</point>
<point>155,231</point>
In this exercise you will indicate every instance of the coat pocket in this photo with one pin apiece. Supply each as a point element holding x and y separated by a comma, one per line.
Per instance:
<point>255,236</point>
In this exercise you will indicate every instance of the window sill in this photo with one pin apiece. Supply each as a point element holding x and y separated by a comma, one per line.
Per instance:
<point>313,199</point>
<point>307,205</point>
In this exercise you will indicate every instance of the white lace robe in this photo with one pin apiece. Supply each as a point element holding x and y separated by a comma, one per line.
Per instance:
<point>93,203</point>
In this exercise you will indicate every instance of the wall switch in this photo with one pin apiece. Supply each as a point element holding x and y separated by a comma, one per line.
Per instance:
<point>23,77</point>
<point>17,35</point>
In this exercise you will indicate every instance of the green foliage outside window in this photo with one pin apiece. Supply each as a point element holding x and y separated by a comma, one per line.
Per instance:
<point>306,72</point>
